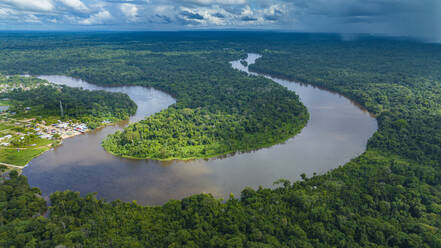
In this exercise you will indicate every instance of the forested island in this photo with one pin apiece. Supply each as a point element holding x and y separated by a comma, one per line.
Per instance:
<point>390,196</point>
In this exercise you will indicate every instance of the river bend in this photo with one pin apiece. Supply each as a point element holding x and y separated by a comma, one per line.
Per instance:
<point>337,131</point>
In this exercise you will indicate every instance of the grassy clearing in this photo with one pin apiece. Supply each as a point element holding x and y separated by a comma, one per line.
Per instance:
<point>20,157</point>
<point>5,103</point>
<point>4,126</point>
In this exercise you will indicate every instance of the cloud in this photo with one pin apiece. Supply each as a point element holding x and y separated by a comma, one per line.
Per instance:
<point>97,18</point>
<point>76,5</point>
<point>32,19</point>
<point>415,18</point>
<point>33,5</point>
<point>129,10</point>
<point>161,19</point>
<point>218,15</point>
<point>220,2</point>
<point>248,19</point>
<point>190,15</point>
<point>247,11</point>
<point>5,12</point>
<point>274,12</point>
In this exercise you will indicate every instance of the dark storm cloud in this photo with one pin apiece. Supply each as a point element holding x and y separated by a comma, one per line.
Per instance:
<point>190,15</point>
<point>218,15</point>
<point>416,18</point>
<point>235,10</point>
<point>248,19</point>
<point>162,19</point>
<point>271,18</point>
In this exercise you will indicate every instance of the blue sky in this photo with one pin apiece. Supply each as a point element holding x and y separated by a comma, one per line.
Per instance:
<point>415,18</point>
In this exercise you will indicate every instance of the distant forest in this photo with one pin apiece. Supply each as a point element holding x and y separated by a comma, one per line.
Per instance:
<point>218,110</point>
<point>390,196</point>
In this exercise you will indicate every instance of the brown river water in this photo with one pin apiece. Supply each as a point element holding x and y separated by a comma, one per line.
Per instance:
<point>338,130</point>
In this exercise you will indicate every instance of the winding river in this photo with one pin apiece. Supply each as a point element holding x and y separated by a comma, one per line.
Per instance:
<point>337,131</point>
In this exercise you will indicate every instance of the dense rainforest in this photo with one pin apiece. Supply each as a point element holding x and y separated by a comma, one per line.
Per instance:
<point>218,110</point>
<point>390,196</point>
<point>402,87</point>
<point>90,107</point>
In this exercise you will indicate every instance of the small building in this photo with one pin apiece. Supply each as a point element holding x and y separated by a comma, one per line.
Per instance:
<point>46,136</point>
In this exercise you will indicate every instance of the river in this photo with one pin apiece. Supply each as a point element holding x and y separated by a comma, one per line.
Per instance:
<point>337,131</point>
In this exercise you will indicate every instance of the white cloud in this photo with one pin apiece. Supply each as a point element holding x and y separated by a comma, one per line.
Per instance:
<point>33,5</point>
<point>32,19</point>
<point>97,18</point>
<point>247,11</point>
<point>274,12</point>
<point>275,9</point>
<point>76,5</point>
<point>163,9</point>
<point>226,2</point>
<point>129,10</point>
<point>6,12</point>
<point>213,15</point>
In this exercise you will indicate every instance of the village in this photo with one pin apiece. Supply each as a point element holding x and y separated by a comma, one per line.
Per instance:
<point>61,129</point>
<point>23,139</point>
<point>14,129</point>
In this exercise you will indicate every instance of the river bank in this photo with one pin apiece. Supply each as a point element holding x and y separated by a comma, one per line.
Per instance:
<point>45,138</point>
<point>40,115</point>
<point>294,131</point>
<point>337,132</point>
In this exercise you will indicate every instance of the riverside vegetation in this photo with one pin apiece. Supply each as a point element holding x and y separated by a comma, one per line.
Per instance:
<point>35,104</point>
<point>388,197</point>
<point>218,111</point>
<point>89,107</point>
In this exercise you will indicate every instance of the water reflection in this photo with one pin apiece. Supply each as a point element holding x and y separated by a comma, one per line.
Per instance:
<point>338,131</point>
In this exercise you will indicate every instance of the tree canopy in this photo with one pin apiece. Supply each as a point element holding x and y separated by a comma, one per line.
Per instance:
<point>91,107</point>
<point>387,197</point>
